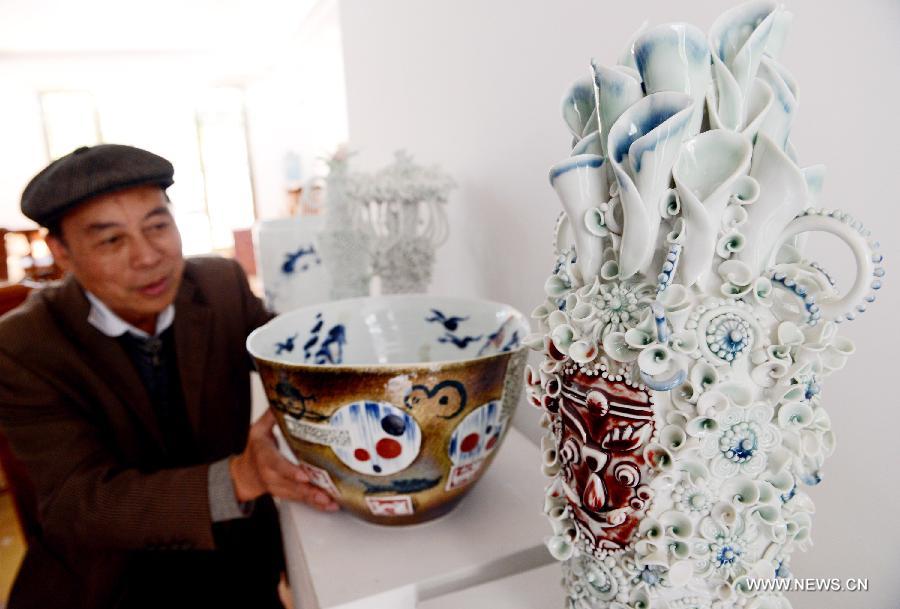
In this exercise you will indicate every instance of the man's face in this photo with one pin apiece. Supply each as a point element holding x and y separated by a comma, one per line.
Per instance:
<point>124,248</point>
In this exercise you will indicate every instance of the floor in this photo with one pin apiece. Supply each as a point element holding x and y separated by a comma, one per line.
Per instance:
<point>12,546</point>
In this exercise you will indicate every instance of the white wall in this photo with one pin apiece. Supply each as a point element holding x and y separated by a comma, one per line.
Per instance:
<point>475,86</point>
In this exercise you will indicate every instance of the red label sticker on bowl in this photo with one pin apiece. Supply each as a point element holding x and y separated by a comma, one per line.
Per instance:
<point>463,474</point>
<point>319,477</point>
<point>394,505</point>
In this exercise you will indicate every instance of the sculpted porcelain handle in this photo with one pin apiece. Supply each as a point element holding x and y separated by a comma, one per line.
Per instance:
<point>812,285</point>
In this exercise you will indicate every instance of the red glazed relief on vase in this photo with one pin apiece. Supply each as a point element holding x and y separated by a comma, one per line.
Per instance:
<point>605,427</point>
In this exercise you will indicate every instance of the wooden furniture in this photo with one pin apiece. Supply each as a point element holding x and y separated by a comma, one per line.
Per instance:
<point>12,295</point>
<point>4,269</point>
<point>18,482</point>
<point>243,250</point>
<point>38,249</point>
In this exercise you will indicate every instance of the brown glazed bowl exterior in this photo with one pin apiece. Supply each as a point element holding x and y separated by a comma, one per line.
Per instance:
<point>395,444</point>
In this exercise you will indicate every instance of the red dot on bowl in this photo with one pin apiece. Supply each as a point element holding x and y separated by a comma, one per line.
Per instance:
<point>491,442</point>
<point>361,454</point>
<point>388,448</point>
<point>469,442</point>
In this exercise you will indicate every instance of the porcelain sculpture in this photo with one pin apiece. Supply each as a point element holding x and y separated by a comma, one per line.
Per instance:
<point>345,240</point>
<point>394,405</point>
<point>290,262</point>
<point>405,208</point>
<point>686,336</point>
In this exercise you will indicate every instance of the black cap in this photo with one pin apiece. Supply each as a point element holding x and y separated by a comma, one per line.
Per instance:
<point>88,172</point>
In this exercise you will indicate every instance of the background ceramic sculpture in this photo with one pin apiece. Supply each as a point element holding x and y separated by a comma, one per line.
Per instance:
<point>290,262</point>
<point>345,240</point>
<point>394,405</point>
<point>685,335</point>
<point>404,205</point>
<point>386,225</point>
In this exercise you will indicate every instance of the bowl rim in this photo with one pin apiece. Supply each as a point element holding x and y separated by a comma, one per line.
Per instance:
<point>393,366</point>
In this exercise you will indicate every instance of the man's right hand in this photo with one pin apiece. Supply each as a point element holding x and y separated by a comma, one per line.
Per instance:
<point>262,469</point>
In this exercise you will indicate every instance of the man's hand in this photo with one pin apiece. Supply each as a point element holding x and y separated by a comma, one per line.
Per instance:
<point>261,469</point>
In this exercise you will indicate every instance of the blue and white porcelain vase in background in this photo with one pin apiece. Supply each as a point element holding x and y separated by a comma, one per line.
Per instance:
<point>290,262</point>
<point>686,335</point>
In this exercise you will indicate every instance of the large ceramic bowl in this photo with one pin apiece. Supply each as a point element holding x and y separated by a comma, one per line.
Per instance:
<point>395,405</point>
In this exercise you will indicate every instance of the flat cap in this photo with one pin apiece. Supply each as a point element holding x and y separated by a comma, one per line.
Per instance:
<point>88,172</point>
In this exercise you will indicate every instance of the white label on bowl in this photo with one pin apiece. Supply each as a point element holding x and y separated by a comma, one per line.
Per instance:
<point>319,477</point>
<point>318,434</point>
<point>463,474</point>
<point>394,505</point>
<point>384,439</point>
<point>477,434</point>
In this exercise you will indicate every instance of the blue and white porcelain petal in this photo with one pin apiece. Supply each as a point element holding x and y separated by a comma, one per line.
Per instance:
<point>643,145</point>
<point>783,194</point>
<point>780,116</point>
<point>780,30</point>
<point>581,183</point>
<point>592,126</point>
<point>590,144</point>
<point>757,107</point>
<point>675,57</point>
<point>723,99</point>
<point>705,175</point>
<point>578,105</point>
<point>736,113</point>
<point>626,59</point>
<point>616,89</point>
<point>738,39</point>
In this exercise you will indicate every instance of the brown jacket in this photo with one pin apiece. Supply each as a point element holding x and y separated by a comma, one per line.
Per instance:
<point>75,411</point>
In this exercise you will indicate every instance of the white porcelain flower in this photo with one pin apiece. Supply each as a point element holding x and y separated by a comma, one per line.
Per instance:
<point>627,346</point>
<point>726,551</point>
<point>591,582</point>
<point>740,444</point>
<point>620,306</point>
<point>737,278</point>
<point>646,577</point>
<point>696,497</point>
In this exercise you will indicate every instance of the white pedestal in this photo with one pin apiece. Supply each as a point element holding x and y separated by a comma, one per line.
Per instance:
<point>336,561</point>
<point>535,589</point>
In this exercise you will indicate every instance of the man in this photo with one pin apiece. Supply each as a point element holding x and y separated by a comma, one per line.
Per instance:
<point>125,391</point>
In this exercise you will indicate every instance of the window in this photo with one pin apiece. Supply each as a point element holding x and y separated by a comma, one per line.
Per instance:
<point>70,121</point>
<point>202,133</point>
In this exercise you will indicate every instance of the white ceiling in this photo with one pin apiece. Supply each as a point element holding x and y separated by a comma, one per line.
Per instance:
<point>50,27</point>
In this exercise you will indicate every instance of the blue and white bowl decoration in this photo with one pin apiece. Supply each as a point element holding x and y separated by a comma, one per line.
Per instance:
<point>290,262</point>
<point>396,404</point>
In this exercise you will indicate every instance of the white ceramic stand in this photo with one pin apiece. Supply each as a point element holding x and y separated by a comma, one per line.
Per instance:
<point>336,561</point>
<point>533,589</point>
